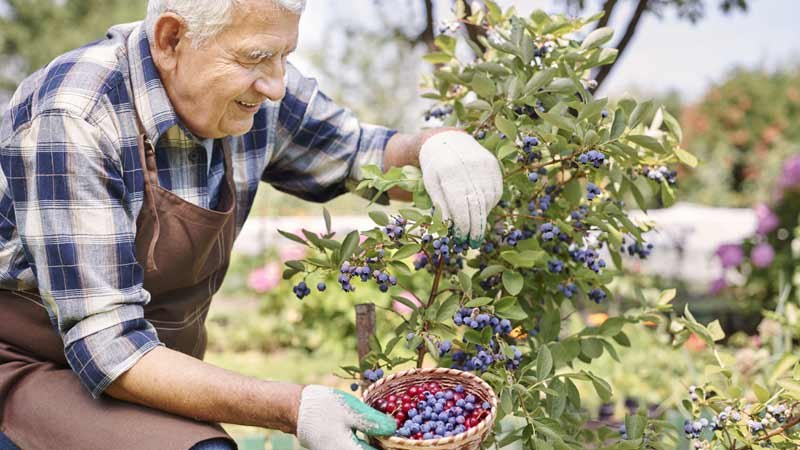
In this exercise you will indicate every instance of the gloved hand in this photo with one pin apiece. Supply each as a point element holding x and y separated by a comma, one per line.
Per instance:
<point>327,418</point>
<point>463,180</point>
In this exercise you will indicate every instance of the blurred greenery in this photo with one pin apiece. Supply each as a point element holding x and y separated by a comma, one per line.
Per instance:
<point>33,32</point>
<point>741,131</point>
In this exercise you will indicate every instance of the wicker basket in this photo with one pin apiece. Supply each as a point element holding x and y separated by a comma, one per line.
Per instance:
<point>448,379</point>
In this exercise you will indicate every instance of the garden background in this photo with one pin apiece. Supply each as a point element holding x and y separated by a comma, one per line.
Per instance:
<point>728,70</point>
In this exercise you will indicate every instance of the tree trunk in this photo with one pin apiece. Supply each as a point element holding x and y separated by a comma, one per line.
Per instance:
<point>604,71</point>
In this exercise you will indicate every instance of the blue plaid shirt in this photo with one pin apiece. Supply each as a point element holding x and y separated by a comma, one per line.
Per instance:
<point>71,185</point>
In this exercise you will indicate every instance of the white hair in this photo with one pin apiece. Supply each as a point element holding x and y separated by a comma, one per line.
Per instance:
<point>205,18</point>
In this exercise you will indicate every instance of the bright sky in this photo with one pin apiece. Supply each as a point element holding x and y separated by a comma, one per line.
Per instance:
<point>665,54</point>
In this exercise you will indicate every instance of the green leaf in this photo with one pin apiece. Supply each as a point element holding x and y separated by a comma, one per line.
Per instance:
<point>483,86</point>
<point>413,306</point>
<point>666,296</point>
<point>550,325</point>
<point>620,123</point>
<point>412,215</point>
<point>592,347</point>
<point>673,125</point>
<point>525,259</point>
<point>431,347</point>
<point>292,237</point>
<point>562,86</point>
<point>786,362</point>
<point>507,149</point>
<point>509,308</point>
<point>446,43</point>
<point>667,196</point>
<point>792,388</point>
<point>327,215</point>
<point>647,142</point>
<point>478,104</point>
<point>296,265</point>
<point>478,302</point>
<point>762,394</point>
<point>686,157</point>
<point>349,245</point>
<point>612,326</point>
<point>379,217</point>
<point>406,251</point>
<point>592,109</point>
<point>472,336</point>
<point>513,282</point>
<point>558,121</point>
<point>506,127</point>
<point>639,113</point>
<point>715,329</point>
<point>492,68</point>
<point>539,79</point>
<point>544,362</point>
<point>597,38</point>
<point>438,58</point>
<point>634,426</point>
<point>466,282</point>
<point>601,387</point>
<point>573,191</point>
<point>489,271</point>
<point>447,309</point>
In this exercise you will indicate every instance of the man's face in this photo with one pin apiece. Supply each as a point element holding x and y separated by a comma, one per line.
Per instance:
<point>217,89</point>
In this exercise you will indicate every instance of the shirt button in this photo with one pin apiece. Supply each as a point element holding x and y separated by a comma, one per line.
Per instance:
<point>194,156</point>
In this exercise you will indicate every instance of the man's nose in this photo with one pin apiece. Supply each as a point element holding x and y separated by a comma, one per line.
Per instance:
<point>272,86</point>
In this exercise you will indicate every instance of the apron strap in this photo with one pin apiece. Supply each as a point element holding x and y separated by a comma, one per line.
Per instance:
<point>147,158</point>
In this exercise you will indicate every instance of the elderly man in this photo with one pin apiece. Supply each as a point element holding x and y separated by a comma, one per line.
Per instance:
<point>128,167</point>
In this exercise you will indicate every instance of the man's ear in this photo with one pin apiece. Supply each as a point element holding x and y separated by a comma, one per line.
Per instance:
<point>170,31</point>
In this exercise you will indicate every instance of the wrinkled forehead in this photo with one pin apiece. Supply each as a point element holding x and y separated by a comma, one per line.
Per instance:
<point>268,12</point>
<point>253,16</point>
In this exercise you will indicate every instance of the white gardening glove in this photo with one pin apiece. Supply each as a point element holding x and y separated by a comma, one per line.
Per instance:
<point>463,180</point>
<point>328,417</point>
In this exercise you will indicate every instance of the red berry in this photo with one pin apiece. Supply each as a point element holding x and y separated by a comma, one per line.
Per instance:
<point>406,398</point>
<point>406,407</point>
<point>413,391</point>
<point>400,416</point>
<point>417,436</point>
<point>391,398</point>
<point>449,404</point>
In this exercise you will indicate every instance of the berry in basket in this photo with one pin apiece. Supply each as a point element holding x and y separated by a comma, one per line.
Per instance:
<point>428,411</point>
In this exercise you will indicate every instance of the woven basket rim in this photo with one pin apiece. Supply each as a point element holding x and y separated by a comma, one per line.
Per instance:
<point>483,425</point>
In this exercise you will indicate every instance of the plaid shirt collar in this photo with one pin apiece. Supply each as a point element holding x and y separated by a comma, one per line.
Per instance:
<point>149,95</point>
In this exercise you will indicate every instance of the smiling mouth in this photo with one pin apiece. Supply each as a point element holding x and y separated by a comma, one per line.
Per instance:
<point>248,105</point>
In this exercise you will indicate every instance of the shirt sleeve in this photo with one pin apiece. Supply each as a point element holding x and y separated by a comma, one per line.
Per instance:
<point>320,147</point>
<point>78,233</point>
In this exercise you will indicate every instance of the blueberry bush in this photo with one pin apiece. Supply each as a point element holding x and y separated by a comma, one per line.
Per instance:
<point>558,237</point>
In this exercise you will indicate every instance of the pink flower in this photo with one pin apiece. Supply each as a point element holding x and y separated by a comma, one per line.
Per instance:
<point>791,172</point>
<point>762,255</point>
<point>717,286</point>
<point>403,309</point>
<point>291,252</point>
<point>265,278</point>
<point>767,220</point>
<point>731,255</point>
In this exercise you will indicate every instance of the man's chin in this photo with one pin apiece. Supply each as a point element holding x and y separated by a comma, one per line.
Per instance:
<point>239,128</point>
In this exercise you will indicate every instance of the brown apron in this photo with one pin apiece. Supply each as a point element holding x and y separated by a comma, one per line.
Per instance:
<point>184,250</point>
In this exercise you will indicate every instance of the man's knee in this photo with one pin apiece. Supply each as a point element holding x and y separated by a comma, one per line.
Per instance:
<point>215,444</point>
